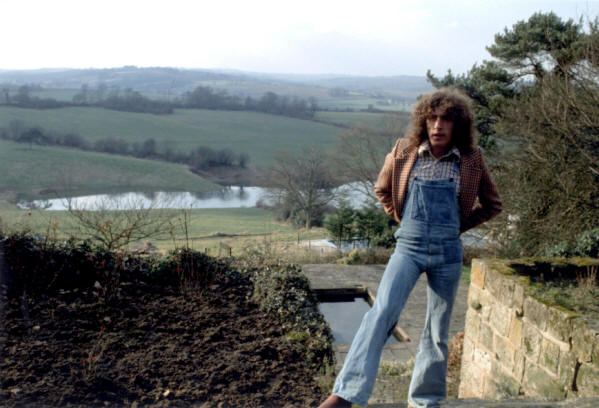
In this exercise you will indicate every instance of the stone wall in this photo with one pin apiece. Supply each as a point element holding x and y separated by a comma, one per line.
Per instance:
<point>516,345</point>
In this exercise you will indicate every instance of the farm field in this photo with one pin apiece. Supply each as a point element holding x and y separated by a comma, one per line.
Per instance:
<point>240,228</point>
<point>360,102</point>
<point>47,172</point>
<point>351,119</point>
<point>257,134</point>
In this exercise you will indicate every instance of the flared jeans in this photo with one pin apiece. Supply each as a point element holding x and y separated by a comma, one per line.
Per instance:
<point>427,242</point>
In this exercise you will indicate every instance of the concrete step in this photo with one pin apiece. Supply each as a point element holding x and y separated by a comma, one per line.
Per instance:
<point>514,403</point>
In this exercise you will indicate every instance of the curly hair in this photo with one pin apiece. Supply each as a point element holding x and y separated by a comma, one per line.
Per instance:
<point>456,105</point>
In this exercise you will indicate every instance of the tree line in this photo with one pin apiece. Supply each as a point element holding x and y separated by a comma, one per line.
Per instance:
<point>129,100</point>
<point>537,109</point>
<point>201,158</point>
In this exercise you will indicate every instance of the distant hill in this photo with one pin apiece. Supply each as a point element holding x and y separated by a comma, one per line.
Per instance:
<point>174,81</point>
<point>160,80</point>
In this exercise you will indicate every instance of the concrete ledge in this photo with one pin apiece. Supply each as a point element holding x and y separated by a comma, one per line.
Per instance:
<point>513,403</point>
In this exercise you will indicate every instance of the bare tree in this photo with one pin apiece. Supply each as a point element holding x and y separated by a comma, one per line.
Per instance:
<point>303,185</point>
<point>116,222</point>
<point>361,151</point>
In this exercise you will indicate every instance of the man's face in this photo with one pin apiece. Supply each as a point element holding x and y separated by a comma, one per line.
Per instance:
<point>439,128</point>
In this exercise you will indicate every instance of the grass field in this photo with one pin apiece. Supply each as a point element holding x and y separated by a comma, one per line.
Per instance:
<point>31,172</point>
<point>360,102</point>
<point>257,134</point>
<point>256,90</point>
<point>351,119</point>
<point>241,228</point>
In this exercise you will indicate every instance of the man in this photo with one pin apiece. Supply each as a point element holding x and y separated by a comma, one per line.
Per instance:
<point>429,183</point>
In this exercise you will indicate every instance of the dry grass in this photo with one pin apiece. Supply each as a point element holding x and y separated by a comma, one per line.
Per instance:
<point>454,365</point>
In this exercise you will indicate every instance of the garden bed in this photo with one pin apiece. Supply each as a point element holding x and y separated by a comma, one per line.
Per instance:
<point>151,342</point>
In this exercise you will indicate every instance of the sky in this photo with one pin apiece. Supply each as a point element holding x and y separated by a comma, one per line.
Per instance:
<point>374,37</point>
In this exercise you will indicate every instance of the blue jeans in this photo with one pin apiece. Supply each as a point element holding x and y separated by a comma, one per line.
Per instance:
<point>427,241</point>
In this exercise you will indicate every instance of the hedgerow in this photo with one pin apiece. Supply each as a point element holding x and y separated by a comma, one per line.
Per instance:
<point>282,289</point>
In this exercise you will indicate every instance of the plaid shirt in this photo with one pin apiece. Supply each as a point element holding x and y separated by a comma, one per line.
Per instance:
<point>476,184</point>
<point>428,167</point>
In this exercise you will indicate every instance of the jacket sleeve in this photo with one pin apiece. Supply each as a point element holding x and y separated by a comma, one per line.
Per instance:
<point>383,187</point>
<point>489,203</point>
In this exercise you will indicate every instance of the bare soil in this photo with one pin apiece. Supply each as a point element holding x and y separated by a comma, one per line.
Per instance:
<point>149,346</point>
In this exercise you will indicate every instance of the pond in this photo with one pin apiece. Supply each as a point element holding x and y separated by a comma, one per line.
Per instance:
<point>230,197</point>
<point>344,318</point>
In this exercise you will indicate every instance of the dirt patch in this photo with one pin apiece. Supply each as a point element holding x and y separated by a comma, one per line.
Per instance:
<point>454,365</point>
<point>150,346</point>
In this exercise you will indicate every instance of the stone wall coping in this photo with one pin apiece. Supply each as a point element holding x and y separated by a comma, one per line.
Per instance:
<point>508,269</point>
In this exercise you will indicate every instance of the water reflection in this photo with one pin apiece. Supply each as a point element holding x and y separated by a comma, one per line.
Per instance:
<point>230,197</point>
<point>345,318</point>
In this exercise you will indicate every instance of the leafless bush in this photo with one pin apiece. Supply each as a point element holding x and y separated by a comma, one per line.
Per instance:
<point>115,222</point>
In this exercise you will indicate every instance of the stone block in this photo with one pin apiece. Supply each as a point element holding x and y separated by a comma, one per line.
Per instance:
<point>472,325</point>
<point>531,341</point>
<point>515,334</point>
<point>539,383</point>
<point>504,352</point>
<point>500,286</point>
<point>517,301</point>
<point>485,312</point>
<point>483,359</point>
<point>501,317</point>
<point>583,339</point>
<point>471,381</point>
<point>519,364</point>
<point>477,274</point>
<point>549,357</point>
<point>567,368</point>
<point>535,312</point>
<point>500,385</point>
<point>467,350</point>
<point>559,323</point>
<point>475,300</point>
<point>587,381</point>
<point>485,337</point>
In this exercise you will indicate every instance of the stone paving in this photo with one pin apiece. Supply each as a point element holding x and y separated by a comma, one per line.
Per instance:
<point>411,321</point>
<point>387,389</point>
<point>367,277</point>
<point>516,403</point>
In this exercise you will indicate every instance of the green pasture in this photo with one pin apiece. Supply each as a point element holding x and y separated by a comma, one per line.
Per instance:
<point>46,172</point>
<point>360,102</point>
<point>256,89</point>
<point>241,228</point>
<point>257,134</point>
<point>352,119</point>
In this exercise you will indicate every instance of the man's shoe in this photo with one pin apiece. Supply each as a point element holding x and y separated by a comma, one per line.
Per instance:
<point>334,401</point>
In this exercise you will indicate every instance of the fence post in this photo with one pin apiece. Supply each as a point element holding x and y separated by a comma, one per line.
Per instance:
<point>224,247</point>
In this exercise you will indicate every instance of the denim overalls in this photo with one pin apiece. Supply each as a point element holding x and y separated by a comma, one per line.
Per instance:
<point>427,241</point>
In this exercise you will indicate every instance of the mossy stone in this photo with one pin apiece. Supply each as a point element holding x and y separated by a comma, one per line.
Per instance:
<point>559,323</point>
<point>539,383</point>
<point>549,357</point>
<point>535,312</point>
<point>501,385</point>
<point>587,381</point>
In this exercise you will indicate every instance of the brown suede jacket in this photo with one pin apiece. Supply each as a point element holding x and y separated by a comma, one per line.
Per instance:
<point>475,182</point>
